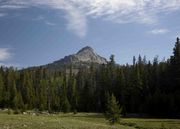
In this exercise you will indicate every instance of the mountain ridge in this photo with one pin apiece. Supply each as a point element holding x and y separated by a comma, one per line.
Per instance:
<point>83,58</point>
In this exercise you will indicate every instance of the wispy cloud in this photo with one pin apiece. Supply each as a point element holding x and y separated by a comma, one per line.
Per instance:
<point>76,19</point>
<point>118,11</point>
<point>158,31</point>
<point>12,6</point>
<point>43,18</point>
<point>4,54</point>
<point>49,23</point>
<point>5,58</point>
<point>126,11</point>
<point>2,14</point>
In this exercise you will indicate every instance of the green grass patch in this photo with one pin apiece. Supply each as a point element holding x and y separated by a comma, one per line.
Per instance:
<point>79,121</point>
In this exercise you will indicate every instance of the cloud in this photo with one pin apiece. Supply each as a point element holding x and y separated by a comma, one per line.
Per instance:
<point>49,23</point>
<point>75,17</point>
<point>4,54</point>
<point>117,11</point>
<point>127,11</point>
<point>76,21</point>
<point>2,14</point>
<point>158,31</point>
<point>12,7</point>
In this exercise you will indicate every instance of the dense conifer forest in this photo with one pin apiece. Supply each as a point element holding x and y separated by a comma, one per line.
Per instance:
<point>143,87</point>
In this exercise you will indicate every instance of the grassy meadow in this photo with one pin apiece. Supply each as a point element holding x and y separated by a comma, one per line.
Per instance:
<point>80,121</point>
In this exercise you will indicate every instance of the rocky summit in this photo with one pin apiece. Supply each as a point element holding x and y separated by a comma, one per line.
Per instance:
<point>83,58</point>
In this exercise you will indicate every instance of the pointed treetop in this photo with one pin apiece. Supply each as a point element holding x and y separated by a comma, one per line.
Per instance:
<point>177,39</point>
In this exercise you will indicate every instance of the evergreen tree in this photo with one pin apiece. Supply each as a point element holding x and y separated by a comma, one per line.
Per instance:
<point>43,95</point>
<point>18,101</point>
<point>175,74</point>
<point>1,91</point>
<point>64,101</point>
<point>74,99</point>
<point>13,94</point>
<point>66,105</point>
<point>175,64</point>
<point>112,110</point>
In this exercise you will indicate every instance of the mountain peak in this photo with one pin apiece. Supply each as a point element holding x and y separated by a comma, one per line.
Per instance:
<point>87,54</point>
<point>84,57</point>
<point>87,48</point>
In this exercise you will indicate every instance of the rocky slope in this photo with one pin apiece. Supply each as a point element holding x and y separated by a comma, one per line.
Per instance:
<point>83,58</point>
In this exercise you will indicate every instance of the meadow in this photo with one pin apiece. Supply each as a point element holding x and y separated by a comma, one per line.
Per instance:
<point>79,121</point>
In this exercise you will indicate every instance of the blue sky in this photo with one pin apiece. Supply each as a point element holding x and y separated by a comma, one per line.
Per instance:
<point>36,32</point>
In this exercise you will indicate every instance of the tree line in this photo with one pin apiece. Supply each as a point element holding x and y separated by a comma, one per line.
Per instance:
<point>144,87</point>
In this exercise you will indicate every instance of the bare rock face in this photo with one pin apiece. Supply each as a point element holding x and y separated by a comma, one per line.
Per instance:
<point>85,57</point>
<point>87,54</point>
